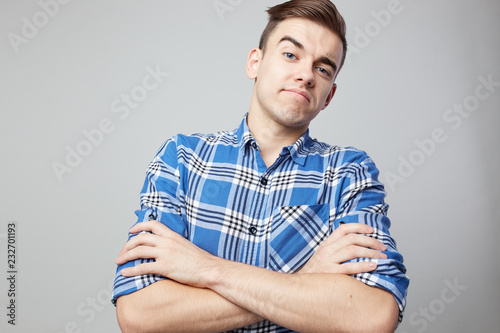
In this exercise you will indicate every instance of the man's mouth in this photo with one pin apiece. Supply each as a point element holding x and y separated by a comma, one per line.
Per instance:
<point>300,94</point>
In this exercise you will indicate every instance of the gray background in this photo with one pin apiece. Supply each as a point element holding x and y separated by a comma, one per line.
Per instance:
<point>400,82</point>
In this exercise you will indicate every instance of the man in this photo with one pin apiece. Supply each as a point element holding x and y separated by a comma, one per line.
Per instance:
<point>264,229</point>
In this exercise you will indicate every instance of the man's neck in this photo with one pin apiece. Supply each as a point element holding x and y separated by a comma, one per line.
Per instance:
<point>271,137</point>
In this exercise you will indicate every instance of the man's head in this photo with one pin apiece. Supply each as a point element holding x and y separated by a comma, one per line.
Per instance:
<point>322,12</point>
<point>295,79</point>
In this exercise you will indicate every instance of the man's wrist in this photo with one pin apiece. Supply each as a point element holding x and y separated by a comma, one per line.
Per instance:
<point>211,275</point>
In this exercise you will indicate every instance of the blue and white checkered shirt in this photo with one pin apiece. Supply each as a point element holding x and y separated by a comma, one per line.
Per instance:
<point>217,191</point>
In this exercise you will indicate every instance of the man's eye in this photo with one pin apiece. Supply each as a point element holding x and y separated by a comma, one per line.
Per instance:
<point>322,70</point>
<point>289,55</point>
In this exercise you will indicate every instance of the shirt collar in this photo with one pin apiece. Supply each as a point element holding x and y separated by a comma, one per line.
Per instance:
<point>245,138</point>
<point>297,150</point>
<point>300,148</point>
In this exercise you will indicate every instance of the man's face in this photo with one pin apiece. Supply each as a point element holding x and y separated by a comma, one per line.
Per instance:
<point>295,77</point>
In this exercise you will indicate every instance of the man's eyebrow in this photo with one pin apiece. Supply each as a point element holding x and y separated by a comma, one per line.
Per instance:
<point>329,62</point>
<point>293,41</point>
<point>325,60</point>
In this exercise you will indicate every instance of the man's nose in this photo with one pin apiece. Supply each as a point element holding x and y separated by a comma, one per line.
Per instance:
<point>305,74</point>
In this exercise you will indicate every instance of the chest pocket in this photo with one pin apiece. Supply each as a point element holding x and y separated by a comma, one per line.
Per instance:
<point>296,232</point>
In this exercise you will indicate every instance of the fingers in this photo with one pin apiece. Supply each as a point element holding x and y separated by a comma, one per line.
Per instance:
<point>138,252</point>
<point>360,228</point>
<point>144,245</point>
<point>151,234</point>
<point>141,239</point>
<point>353,251</point>
<point>343,251</point>
<point>362,240</point>
<point>349,241</point>
<point>349,268</point>
<point>357,267</point>
<point>356,233</point>
<point>155,227</point>
<point>146,268</point>
<point>351,228</point>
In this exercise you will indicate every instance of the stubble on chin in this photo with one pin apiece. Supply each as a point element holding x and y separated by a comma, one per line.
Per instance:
<point>292,116</point>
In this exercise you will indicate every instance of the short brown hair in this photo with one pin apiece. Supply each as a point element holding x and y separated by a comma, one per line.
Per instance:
<point>322,12</point>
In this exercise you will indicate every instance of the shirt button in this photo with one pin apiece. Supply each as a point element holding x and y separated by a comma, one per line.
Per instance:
<point>263,181</point>
<point>253,230</point>
<point>151,217</point>
<point>254,145</point>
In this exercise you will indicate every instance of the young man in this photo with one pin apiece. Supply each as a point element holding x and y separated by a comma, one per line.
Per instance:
<point>264,229</point>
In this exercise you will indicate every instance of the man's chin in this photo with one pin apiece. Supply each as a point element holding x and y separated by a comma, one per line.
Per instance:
<point>295,117</point>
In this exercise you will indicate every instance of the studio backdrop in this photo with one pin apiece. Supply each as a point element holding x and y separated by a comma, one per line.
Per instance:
<point>91,89</point>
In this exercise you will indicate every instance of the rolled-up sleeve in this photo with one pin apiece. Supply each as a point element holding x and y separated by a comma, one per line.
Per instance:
<point>362,201</point>
<point>160,201</point>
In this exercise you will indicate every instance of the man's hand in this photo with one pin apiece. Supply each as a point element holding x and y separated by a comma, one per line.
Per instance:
<point>175,257</point>
<point>179,259</point>
<point>349,241</point>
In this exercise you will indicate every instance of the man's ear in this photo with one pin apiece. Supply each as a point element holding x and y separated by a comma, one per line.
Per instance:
<point>330,96</point>
<point>253,62</point>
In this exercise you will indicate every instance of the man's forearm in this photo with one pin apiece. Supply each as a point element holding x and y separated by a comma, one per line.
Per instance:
<point>302,302</point>
<point>168,306</point>
<point>233,294</point>
<point>306,302</point>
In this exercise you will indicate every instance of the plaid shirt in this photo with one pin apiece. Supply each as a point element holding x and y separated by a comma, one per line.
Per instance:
<point>217,191</point>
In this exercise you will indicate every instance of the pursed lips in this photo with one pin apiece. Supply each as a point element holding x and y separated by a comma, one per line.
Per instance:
<point>302,93</point>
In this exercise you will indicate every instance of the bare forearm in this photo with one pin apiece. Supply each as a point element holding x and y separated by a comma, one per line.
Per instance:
<point>167,306</point>
<point>233,294</point>
<point>307,302</point>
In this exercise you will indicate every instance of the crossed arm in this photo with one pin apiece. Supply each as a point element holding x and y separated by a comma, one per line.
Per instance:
<point>206,293</point>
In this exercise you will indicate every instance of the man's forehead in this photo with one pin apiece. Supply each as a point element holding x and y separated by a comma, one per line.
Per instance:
<point>310,35</point>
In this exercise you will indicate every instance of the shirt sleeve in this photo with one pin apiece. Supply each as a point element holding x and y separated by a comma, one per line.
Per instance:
<point>362,201</point>
<point>159,201</point>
